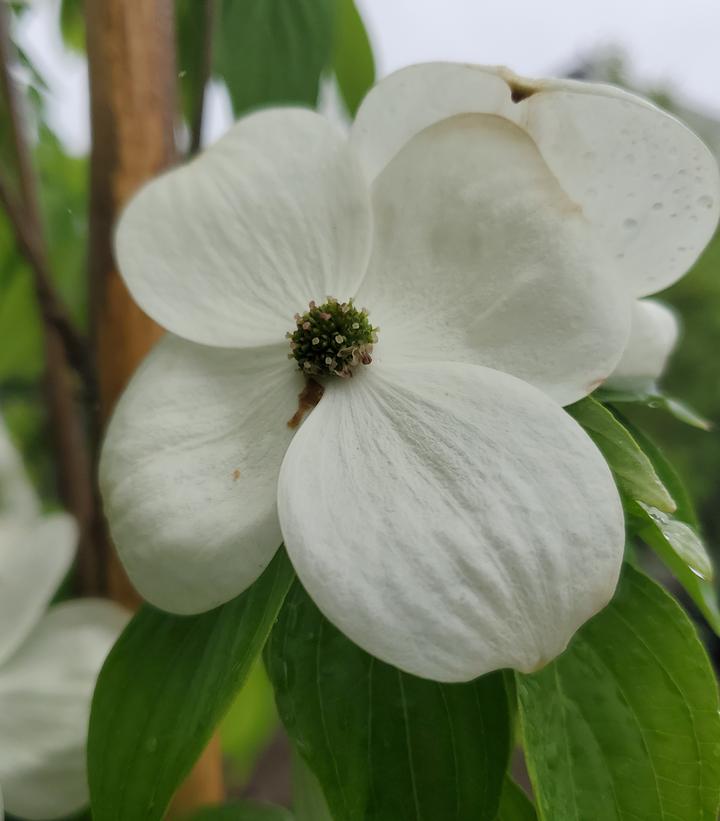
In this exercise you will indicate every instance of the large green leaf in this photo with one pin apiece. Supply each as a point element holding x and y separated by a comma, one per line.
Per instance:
<point>273,51</point>
<point>164,687</point>
<point>635,476</point>
<point>514,804</point>
<point>383,744</point>
<point>676,538</point>
<point>624,725</point>
<point>242,811</point>
<point>353,60</point>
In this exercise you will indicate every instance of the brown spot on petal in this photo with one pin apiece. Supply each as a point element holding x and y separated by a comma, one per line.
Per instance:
<point>308,398</point>
<point>236,474</point>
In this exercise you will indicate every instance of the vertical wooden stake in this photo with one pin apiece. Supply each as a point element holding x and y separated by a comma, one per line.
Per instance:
<point>131,60</point>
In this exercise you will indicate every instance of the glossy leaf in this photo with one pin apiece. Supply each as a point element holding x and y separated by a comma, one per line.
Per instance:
<point>163,689</point>
<point>353,59</point>
<point>242,811</point>
<point>273,51</point>
<point>655,398</point>
<point>633,471</point>
<point>514,804</point>
<point>383,744</point>
<point>676,539</point>
<point>625,725</point>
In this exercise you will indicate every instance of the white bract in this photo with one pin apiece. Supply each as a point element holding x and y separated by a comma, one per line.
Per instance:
<point>439,506</point>
<point>49,659</point>
<point>653,335</point>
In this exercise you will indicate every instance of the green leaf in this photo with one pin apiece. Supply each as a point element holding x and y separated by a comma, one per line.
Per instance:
<point>164,687</point>
<point>655,398</point>
<point>384,744</point>
<point>273,51</point>
<point>625,725</point>
<point>309,802</point>
<point>514,804</point>
<point>191,21</point>
<point>675,538</point>
<point>353,59</point>
<point>242,811</point>
<point>72,24</point>
<point>250,723</point>
<point>633,471</point>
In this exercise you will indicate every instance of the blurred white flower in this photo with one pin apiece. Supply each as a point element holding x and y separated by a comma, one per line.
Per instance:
<point>49,658</point>
<point>653,335</point>
<point>439,507</point>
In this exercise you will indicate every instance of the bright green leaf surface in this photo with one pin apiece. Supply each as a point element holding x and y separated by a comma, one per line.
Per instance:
<point>675,538</point>
<point>163,689</point>
<point>633,471</point>
<point>242,811</point>
<point>353,60</point>
<point>655,399</point>
<point>273,51</point>
<point>250,723</point>
<point>514,804</point>
<point>383,744</point>
<point>624,725</point>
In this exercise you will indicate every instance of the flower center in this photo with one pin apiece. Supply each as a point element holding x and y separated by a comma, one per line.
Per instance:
<point>332,338</point>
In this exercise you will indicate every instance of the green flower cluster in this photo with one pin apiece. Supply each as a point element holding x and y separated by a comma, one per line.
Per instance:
<point>332,339</point>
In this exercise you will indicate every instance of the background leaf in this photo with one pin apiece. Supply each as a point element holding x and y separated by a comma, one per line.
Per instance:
<point>242,811</point>
<point>249,724</point>
<point>383,744</point>
<point>514,804</point>
<point>633,471</point>
<point>353,59</point>
<point>273,51</point>
<point>164,687</point>
<point>625,723</point>
<point>309,801</point>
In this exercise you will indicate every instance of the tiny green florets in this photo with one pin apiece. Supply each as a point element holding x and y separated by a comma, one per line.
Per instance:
<point>332,338</point>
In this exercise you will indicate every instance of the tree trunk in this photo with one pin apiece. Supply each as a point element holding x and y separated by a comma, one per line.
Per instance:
<point>131,59</point>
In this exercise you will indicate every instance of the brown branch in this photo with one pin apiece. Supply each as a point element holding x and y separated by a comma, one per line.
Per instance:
<point>205,67</point>
<point>74,478</point>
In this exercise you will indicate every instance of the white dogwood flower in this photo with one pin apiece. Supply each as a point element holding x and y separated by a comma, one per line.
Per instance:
<point>654,333</point>
<point>439,506</point>
<point>49,658</point>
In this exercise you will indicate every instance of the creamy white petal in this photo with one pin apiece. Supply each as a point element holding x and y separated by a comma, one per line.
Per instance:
<point>17,496</point>
<point>45,692</point>
<point>450,519</point>
<point>647,184</point>
<point>227,248</point>
<point>35,555</point>
<point>481,257</point>
<point>654,334</point>
<point>189,470</point>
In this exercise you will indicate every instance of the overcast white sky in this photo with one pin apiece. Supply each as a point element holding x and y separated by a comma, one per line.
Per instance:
<point>669,41</point>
